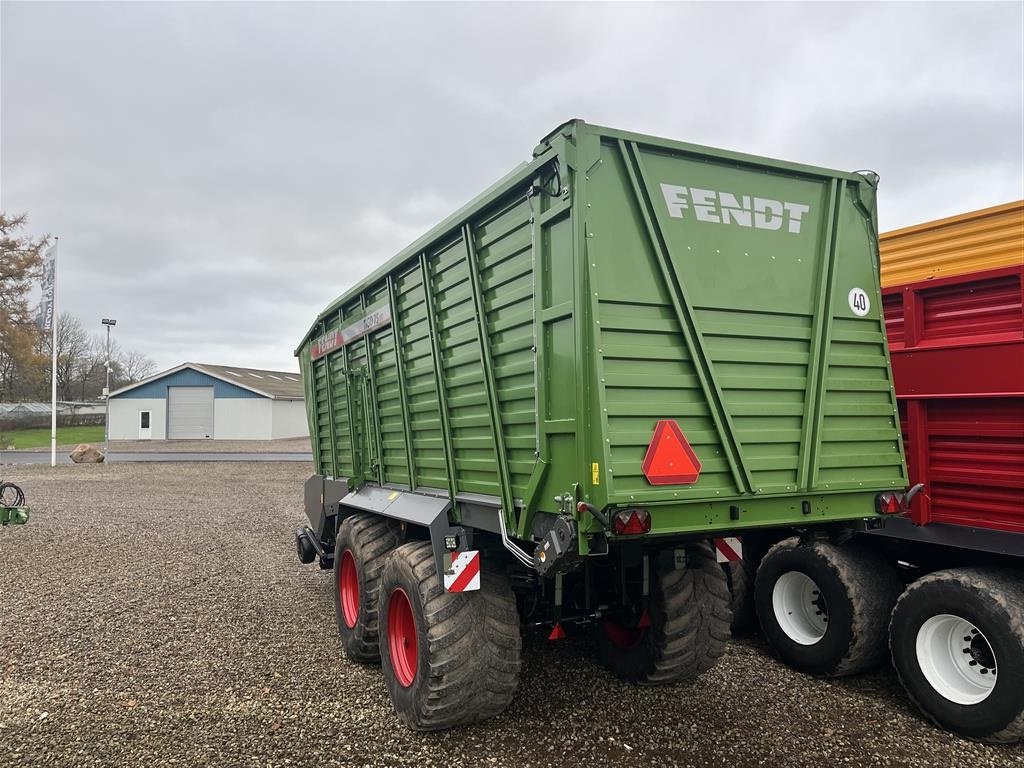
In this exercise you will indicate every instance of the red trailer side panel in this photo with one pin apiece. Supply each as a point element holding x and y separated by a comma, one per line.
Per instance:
<point>970,455</point>
<point>957,348</point>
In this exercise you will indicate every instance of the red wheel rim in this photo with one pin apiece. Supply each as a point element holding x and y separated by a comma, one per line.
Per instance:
<point>402,644</point>
<point>623,636</point>
<point>348,589</point>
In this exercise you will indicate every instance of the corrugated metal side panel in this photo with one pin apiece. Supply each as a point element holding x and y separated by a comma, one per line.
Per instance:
<point>421,389</point>
<point>322,420</point>
<point>394,458</point>
<point>339,459</point>
<point>743,335</point>
<point>958,361</point>
<point>502,243</point>
<point>961,336</point>
<point>979,240</point>
<point>339,412</point>
<point>369,413</point>
<point>462,371</point>
<point>504,247</point>
<point>647,372</point>
<point>358,396</point>
<point>969,452</point>
<point>309,395</point>
<point>892,309</point>
<point>859,436</point>
<point>982,309</point>
<point>339,424</point>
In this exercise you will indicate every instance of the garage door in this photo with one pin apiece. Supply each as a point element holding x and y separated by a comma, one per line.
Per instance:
<point>189,413</point>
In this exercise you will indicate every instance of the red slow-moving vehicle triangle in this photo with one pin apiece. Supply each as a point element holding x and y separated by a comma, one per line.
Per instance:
<point>670,460</point>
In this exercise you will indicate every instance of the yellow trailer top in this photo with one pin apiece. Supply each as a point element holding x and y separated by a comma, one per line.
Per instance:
<point>969,242</point>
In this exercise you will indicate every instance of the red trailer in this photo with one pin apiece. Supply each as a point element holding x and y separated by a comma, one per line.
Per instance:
<point>957,347</point>
<point>953,298</point>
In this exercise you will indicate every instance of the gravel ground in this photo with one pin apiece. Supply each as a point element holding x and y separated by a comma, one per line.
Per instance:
<point>283,445</point>
<point>155,614</point>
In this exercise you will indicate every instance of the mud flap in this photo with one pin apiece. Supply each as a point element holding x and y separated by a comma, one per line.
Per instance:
<point>430,512</point>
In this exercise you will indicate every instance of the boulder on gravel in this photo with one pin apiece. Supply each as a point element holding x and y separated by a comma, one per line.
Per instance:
<point>86,454</point>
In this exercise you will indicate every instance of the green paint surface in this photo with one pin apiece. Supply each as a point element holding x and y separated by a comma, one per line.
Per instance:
<point>614,281</point>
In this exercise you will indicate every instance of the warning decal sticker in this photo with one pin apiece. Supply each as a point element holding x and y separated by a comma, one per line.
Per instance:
<point>464,573</point>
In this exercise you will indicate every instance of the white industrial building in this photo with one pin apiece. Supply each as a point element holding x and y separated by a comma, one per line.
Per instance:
<point>196,401</point>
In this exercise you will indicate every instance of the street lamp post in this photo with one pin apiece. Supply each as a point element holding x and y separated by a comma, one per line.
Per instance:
<point>106,392</point>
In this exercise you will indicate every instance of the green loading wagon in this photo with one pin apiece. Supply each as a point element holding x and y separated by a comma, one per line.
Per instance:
<point>545,409</point>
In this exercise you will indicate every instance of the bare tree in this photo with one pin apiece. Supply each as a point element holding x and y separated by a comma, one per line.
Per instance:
<point>74,350</point>
<point>91,370</point>
<point>134,366</point>
<point>81,361</point>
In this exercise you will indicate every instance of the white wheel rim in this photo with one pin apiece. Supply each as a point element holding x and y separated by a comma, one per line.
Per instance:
<point>800,608</point>
<point>956,659</point>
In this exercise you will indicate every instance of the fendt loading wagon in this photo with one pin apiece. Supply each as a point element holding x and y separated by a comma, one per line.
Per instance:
<point>541,412</point>
<point>952,299</point>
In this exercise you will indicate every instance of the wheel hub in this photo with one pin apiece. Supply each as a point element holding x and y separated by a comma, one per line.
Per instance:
<point>956,659</point>
<point>403,647</point>
<point>800,608</point>
<point>348,589</point>
<point>981,652</point>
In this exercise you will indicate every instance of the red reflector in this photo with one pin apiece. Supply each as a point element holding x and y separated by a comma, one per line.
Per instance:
<point>630,522</point>
<point>670,460</point>
<point>557,633</point>
<point>889,503</point>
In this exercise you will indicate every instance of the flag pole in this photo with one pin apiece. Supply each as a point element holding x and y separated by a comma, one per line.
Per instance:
<point>53,363</point>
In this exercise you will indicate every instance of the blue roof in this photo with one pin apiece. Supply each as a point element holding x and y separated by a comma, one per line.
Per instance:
<point>156,389</point>
<point>229,381</point>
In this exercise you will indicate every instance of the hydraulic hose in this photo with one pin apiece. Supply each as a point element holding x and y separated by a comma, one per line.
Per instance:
<point>519,554</point>
<point>11,495</point>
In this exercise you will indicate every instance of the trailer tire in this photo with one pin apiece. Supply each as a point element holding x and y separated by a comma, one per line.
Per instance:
<point>688,628</point>
<point>932,616</point>
<point>825,608</point>
<point>465,647</point>
<point>360,549</point>
<point>739,574</point>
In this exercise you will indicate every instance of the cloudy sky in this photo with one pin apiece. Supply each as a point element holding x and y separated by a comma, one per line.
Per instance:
<point>217,173</point>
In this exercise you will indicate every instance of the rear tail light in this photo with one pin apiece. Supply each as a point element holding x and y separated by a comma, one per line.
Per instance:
<point>889,502</point>
<point>630,522</point>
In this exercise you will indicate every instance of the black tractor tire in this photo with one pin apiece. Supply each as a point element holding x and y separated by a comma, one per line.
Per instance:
<point>739,575</point>
<point>367,539</point>
<point>991,601</point>
<point>467,657</point>
<point>688,628</point>
<point>859,589</point>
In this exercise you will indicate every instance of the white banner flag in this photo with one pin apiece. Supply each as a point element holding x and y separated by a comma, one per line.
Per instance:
<point>45,317</point>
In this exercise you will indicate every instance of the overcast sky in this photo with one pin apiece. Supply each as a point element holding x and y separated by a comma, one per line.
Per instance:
<point>218,173</point>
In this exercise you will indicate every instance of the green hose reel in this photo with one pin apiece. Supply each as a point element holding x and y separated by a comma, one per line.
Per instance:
<point>12,505</point>
<point>14,515</point>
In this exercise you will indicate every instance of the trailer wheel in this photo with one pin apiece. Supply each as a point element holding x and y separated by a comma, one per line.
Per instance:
<point>825,608</point>
<point>449,659</point>
<point>739,575</point>
<point>684,632</point>
<point>957,641</point>
<point>361,547</point>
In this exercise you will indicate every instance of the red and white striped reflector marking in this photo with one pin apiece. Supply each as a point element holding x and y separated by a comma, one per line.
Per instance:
<point>728,550</point>
<point>464,573</point>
